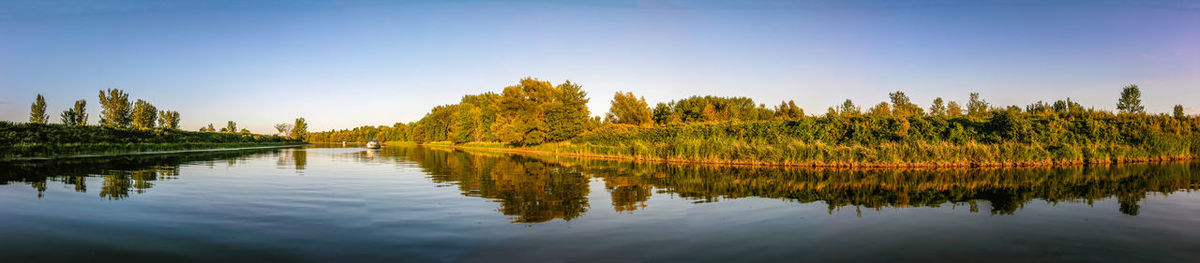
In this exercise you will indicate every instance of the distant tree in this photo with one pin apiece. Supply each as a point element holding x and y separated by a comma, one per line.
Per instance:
<point>115,109</point>
<point>882,109</point>
<point>144,115</point>
<point>664,114</point>
<point>285,129</point>
<point>567,117</point>
<point>1066,106</point>
<point>1179,112</point>
<point>210,128</point>
<point>168,119</point>
<point>902,106</point>
<point>848,109</point>
<point>787,110</point>
<point>938,108</point>
<point>953,110</point>
<point>76,116</point>
<point>629,109</point>
<point>244,131</point>
<point>976,107</point>
<point>37,113</point>
<point>299,130</point>
<point>230,127</point>
<point>1131,100</point>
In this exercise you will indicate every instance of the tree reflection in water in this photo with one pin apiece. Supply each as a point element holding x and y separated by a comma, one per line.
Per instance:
<point>121,175</point>
<point>534,189</point>
<point>540,188</point>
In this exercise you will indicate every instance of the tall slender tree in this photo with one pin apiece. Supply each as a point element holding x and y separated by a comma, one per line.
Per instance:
<point>230,127</point>
<point>1178,112</point>
<point>115,109</point>
<point>76,116</point>
<point>37,112</point>
<point>1131,100</point>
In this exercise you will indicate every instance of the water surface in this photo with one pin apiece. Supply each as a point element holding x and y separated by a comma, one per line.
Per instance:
<point>423,204</point>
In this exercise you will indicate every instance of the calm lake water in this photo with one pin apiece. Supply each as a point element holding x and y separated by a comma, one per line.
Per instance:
<point>422,204</point>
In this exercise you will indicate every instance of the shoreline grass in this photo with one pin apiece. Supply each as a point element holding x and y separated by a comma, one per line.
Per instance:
<point>867,157</point>
<point>27,140</point>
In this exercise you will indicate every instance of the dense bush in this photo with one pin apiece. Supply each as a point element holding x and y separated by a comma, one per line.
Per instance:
<point>1006,138</point>
<point>28,139</point>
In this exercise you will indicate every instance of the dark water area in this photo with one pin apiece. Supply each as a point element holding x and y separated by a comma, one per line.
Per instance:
<point>419,204</point>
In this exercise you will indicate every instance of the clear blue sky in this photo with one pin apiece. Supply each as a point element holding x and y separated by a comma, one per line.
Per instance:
<point>342,64</point>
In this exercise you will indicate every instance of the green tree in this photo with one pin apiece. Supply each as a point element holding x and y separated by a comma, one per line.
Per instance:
<point>230,127</point>
<point>848,108</point>
<point>76,116</point>
<point>953,110</point>
<point>902,106</point>
<point>976,107</point>
<point>115,110</point>
<point>938,108</point>
<point>787,110</point>
<point>1131,100</point>
<point>168,119</point>
<point>144,115</point>
<point>569,116</point>
<point>1179,112</point>
<point>37,112</point>
<point>629,109</point>
<point>299,130</point>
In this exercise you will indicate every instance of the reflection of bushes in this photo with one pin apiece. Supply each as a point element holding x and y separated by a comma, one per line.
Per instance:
<point>121,174</point>
<point>1006,189</point>
<point>528,190</point>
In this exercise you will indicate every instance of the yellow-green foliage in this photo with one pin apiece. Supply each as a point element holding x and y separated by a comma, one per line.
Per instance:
<point>41,140</point>
<point>1006,138</point>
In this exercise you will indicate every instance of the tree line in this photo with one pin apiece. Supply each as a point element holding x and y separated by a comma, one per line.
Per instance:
<point>117,111</point>
<point>534,112</point>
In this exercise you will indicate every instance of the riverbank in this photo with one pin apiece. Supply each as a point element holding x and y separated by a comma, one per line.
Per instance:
<point>956,156</point>
<point>197,149</point>
<point>41,141</point>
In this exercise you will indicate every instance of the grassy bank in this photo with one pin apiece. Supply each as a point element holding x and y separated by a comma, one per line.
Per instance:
<point>891,142</point>
<point>52,140</point>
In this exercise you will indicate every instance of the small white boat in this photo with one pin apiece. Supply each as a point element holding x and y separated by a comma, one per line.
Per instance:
<point>373,144</point>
